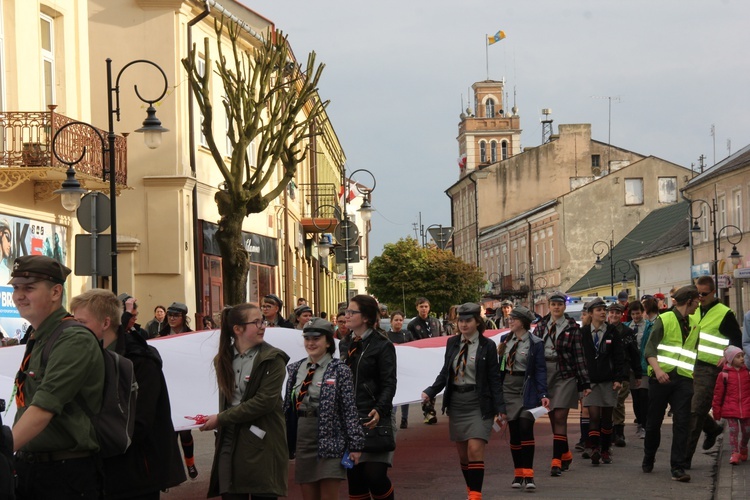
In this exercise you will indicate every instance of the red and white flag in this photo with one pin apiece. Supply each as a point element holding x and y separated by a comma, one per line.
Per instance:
<point>350,194</point>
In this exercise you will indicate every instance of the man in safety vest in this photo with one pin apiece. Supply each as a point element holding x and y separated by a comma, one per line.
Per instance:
<point>670,353</point>
<point>718,328</point>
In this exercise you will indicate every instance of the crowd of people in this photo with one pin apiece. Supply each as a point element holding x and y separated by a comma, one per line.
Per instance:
<point>335,417</point>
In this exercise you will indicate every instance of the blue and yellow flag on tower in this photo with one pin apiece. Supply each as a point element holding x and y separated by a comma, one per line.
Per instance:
<point>496,38</point>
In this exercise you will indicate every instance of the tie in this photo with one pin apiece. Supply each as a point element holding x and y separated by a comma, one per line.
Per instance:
<point>512,357</point>
<point>21,375</point>
<point>635,330</point>
<point>463,355</point>
<point>596,339</point>
<point>552,334</point>
<point>305,384</point>
<point>356,342</point>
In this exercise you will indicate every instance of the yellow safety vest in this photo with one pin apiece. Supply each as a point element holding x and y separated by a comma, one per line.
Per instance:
<point>711,343</point>
<point>671,353</point>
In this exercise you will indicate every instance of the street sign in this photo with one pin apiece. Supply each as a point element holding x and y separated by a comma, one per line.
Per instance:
<point>441,235</point>
<point>347,255</point>
<point>93,214</point>
<point>84,255</point>
<point>742,273</point>
<point>346,232</point>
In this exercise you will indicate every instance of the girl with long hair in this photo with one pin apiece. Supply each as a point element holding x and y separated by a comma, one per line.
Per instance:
<point>372,359</point>
<point>251,430</point>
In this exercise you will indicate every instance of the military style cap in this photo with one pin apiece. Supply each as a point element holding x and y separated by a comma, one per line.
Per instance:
<point>615,306</point>
<point>623,295</point>
<point>177,307</point>
<point>522,312</point>
<point>506,302</point>
<point>274,298</point>
<point>597,302</point>
<point>302,309</point>
<point>317,327</point>
<point>468,310</point>
<point>32,268</point>
<point>557,297</point>
<point>685,293</point>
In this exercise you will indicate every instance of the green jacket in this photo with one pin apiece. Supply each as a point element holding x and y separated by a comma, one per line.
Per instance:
<point>75,365</point>
<point>259,466</point>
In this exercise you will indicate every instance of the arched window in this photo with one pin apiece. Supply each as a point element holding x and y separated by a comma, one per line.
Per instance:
<point>482,152</point>
<point>493,152</point>
<point>490,108</point>
<point>504,150</point>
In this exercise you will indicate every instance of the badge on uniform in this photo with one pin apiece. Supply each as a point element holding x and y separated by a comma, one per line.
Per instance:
<point>472,358</point>
<point>331,381</point>
<point>247,378</point>
<point>608,341</point>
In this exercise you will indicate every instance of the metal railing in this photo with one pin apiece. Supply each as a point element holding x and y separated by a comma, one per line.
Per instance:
<point>26,137</point>
<point>319,200</point>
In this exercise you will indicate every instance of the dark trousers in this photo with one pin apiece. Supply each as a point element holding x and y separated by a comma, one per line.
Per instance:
<point>79,478</point>
<point>704,381</point>
<point>677,394</point>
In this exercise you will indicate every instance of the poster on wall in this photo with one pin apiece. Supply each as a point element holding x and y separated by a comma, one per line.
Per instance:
<point>19,237</point>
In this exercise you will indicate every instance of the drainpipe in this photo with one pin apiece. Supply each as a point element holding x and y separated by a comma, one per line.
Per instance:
<point>197,234</point>
<point>476,213</point>
<point>690,235</point>
<point>453,224</point>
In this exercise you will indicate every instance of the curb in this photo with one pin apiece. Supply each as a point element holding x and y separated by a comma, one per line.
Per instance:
<point>723,482</point>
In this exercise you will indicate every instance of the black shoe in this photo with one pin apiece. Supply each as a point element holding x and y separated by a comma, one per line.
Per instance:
<point>620,441</point>
<point>680,475</point>
<point>566,465</point>
<point>606,457</point>
<point>530,486</point>
<point>710,440</point>
<point>517,482</point>
<point>580,445</point>
<point>192,471</point>
<point>555,472</point>
<point>404,424</point>
<point>595,456</point>
<point>647,466</point>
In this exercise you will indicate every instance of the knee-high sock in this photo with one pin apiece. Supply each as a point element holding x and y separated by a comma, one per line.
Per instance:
<point>593,440</point>
<point>584,428</point>
<point>559,445</point>
<point>476,476</point>
<point>465,472</point>
<point>606,439</point>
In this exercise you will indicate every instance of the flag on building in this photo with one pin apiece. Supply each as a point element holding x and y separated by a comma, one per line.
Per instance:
<point>496,38</point>
<point>350,194</point>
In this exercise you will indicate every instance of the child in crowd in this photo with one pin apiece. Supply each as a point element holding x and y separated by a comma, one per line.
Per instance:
<point>732,401</point>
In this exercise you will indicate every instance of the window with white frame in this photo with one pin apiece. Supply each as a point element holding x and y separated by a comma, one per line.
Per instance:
<point>704,224</point>
<point>551,254</point>
<point>482,152</point>
<point>667,189</point>
<point>634,191</point>
<point>200,64</point>
<point>738,209</point>
<point>536,252</point>
<point>490,108</point>
<point>47,32</point>
<point>493,152</point>
<point>722,215</point>
<point>544,256</point>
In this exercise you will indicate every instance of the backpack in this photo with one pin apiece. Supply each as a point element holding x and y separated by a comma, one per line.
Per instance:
<point>115,422</point>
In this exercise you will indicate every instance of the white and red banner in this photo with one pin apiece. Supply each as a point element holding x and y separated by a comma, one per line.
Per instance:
<point>188,368</point>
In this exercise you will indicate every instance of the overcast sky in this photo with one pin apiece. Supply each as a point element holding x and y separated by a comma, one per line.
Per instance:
<point>396,72</point>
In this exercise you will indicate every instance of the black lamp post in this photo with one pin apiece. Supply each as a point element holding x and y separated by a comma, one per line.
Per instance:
<point>602,245</point>
<point>70,193</point>
<point>696,231</point>
<point>496,279</point>
<point>365,211</point>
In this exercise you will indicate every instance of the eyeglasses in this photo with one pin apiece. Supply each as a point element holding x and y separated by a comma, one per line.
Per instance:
<point>259,323</point>
<point>352,312</point>
<point>703,294</point>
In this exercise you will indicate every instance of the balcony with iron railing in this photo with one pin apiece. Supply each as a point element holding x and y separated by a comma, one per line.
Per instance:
<point>320,212</point>
<point>26,152</point>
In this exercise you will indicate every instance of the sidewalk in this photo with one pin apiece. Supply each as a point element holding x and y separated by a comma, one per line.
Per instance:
<point>732,481</point>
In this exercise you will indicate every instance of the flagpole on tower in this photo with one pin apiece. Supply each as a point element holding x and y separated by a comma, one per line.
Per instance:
<point>487,54</point>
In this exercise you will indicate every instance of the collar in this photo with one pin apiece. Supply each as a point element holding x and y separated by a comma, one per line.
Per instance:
<point>472,338</point>
<point>323,361</point>
<point>249,352</point>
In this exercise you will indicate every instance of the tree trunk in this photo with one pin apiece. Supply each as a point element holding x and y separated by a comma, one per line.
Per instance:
<point>235,262</point>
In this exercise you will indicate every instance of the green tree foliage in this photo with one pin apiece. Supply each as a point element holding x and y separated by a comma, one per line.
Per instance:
<point>270,103</point>
<point>405,271</point>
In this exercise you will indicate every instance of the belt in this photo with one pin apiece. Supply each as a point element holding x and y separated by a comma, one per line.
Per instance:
<point>551,360</point>
<point>516,374</point>
<point>465,388</point>
<point>307,413</point>
<point>55,456</point>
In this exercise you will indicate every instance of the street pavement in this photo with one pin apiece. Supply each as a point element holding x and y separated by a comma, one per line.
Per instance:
<point>426,467</point>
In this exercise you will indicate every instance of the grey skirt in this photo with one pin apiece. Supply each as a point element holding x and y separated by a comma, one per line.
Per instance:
<point>513,396</point>
<point>563,392</point>
<point>385,457</point>
<point>601,394</point>
<point>308,467</point>
<point>465,418</point>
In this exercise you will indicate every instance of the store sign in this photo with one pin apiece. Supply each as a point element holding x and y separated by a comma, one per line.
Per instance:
<point>260,249</point>
<point>700,270</point>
